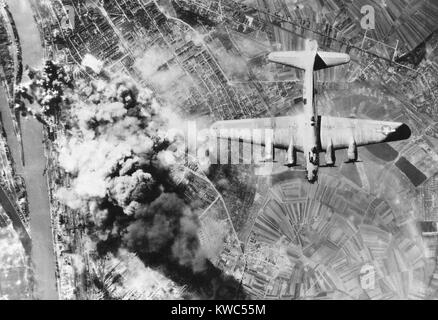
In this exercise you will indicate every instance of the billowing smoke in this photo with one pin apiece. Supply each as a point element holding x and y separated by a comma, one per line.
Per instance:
<point>157,65</point>
<point>12,258</point>
<point>166,7</point>
<point>166,227</point>
<point>120,158</point>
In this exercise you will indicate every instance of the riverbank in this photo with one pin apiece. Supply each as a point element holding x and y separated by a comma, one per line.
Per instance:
<point>43,257</point>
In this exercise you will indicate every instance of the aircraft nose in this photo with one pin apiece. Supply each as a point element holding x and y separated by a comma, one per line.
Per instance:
<point>274,56</point>
<point>215,126</point>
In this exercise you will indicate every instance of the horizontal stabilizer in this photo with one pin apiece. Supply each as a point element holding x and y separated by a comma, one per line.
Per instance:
<point>296,59</point>
<point>325,60</point>
<point>306,59</point>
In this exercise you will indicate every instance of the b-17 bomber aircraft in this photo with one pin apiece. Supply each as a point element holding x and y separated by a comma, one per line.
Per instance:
<point>309,132</point>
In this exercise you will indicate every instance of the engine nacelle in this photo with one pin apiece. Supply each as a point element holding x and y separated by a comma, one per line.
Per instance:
<point>352,152</point>
<point>269,149</point>
<point>330,158</point>
<point>291,156</point>
<point>269,155</point>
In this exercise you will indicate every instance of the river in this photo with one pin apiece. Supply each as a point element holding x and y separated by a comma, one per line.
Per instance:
<point>43,257</point>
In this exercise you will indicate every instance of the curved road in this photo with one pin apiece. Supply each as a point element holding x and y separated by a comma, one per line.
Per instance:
<point>43,257</point>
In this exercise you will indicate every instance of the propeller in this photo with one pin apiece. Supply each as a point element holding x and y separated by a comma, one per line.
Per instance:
<point>328,166</point>
<point>353,161</point>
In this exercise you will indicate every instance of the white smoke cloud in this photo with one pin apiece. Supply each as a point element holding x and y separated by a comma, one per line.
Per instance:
<point>156,66</point>
<point>121,188</point>
<point>118,158</point>
<point>11,250</point>
<point>233,65</point>
<point>144,282</point>
<point>92,153</point>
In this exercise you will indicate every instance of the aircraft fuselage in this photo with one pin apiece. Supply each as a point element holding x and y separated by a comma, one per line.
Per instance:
<point>310,124</point>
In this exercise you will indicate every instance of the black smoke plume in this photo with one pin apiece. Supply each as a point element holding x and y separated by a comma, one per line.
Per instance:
<point>120,158</point>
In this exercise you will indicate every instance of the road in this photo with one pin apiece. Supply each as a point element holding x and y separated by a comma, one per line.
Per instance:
<point>43,257</point>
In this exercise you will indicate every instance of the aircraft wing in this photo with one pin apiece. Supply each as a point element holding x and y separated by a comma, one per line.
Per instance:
<point>342,132</point>
<point>284,131</point>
